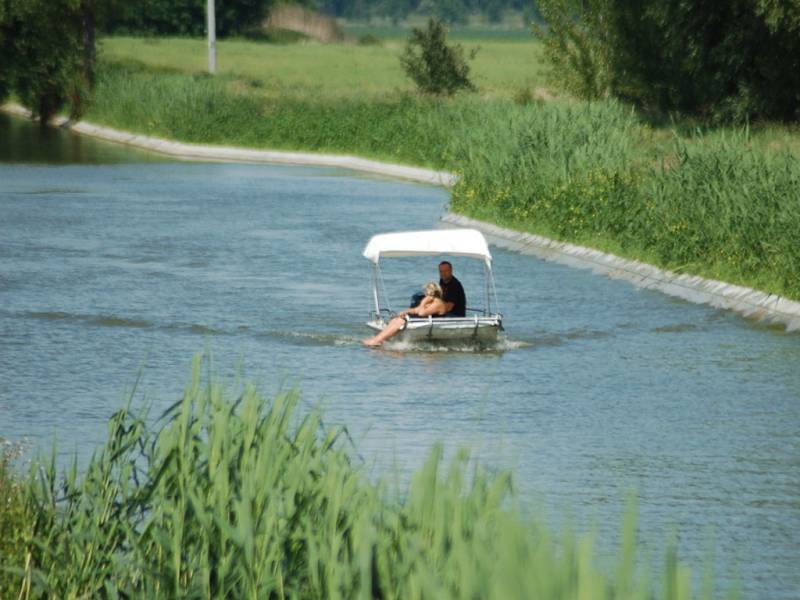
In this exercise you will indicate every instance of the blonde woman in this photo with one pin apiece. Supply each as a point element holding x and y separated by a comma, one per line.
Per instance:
<point>431,305</point>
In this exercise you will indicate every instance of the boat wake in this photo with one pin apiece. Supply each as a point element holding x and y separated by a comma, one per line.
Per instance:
<point>298,338</point>
<point>496,347</point>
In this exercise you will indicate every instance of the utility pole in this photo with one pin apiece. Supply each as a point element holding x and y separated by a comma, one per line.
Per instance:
<point>212,37</point>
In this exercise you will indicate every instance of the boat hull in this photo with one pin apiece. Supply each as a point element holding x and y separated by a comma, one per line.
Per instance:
<point>481,330</point>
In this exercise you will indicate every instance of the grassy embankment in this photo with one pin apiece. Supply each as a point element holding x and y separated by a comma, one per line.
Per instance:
<point>249,499</point>
<point>719,203</point>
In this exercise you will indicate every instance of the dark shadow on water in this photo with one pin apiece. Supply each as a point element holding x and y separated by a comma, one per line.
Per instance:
<point>23,141</point>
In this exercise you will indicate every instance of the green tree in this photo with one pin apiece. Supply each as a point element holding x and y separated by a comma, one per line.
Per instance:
<point>434,66</point>
<point>43,55</point>
<point>733,61</point>
<point>576,42</point>
<point>182,17</point>
<point>5,51</point>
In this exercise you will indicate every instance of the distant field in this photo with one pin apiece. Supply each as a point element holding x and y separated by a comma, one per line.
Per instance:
<point>502,66</point>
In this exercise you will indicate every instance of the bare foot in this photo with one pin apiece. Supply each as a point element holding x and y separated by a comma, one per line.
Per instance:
<point>370,343</point>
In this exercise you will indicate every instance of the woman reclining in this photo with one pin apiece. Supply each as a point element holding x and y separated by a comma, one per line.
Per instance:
<point>431,305</point>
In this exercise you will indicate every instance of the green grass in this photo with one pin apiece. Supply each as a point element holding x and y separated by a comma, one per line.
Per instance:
<point>330,71</point>
<point>247,498</point>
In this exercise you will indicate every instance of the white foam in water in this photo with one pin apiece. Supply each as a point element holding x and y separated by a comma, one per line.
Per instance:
<point>501,345</point>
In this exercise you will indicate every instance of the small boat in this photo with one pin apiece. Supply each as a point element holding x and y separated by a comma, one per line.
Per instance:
<point>480,325</point>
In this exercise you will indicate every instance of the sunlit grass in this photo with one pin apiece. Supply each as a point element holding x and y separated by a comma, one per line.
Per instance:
<point>501,67</point>
<point>241,497</point>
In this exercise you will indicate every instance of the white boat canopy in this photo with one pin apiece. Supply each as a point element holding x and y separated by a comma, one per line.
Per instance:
<point>455,242</point>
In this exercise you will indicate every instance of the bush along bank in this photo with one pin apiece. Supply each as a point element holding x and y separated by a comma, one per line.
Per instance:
<point>714,204</point>
<point>248,498</point>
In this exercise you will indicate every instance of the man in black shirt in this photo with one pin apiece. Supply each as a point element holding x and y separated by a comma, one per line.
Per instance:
<point>453,292</point>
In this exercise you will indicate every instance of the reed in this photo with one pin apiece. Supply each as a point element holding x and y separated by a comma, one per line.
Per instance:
<point>250,498</point>
<point>716,205</point>
<point>198,108</point>
<point>13,517</point>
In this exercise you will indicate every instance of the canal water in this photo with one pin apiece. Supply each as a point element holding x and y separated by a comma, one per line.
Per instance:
<point>114,264</point>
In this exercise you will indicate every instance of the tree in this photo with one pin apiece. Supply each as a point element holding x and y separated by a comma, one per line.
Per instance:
<point>434,66</point>
<point>43,55</point>
<point>733,61</point>
<point>5,51</point>
<point>575,35</point>
<point>182,17</point>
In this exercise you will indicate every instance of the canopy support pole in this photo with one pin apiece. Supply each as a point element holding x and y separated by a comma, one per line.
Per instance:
<point>375,291</point>
<point>494,292</point>
<point>487,276</point>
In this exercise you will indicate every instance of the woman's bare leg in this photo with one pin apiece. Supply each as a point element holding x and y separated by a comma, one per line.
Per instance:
<point>391,329</point>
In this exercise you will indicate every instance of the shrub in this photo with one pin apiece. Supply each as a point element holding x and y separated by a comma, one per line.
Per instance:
<point>687,55</point>
<point>524,96</point>
<point>369,39</point>
<point>434,66</point>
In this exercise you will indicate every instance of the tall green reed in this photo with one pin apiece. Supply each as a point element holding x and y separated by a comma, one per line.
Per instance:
<point>249,498</point>
<point>713,205</point>
<point>13,516</point>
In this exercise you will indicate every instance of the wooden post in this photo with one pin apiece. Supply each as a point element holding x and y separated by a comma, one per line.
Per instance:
<point>212,37</point>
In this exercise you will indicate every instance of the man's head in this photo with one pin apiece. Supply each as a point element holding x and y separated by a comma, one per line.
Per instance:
<point>445,271</point>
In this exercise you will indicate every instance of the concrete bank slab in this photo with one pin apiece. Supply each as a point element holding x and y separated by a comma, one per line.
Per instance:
<point>744,301</point>
<point>201,152</point>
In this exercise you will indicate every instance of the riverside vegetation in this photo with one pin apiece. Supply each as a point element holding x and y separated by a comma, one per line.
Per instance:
<point>243,497</point>
<point>721,203</point>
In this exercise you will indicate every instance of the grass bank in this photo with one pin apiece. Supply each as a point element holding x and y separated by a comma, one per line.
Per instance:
<point>248,498</point>
<point>722,204</point>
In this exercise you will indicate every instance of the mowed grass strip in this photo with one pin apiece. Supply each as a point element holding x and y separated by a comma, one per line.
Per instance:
<point>501,67</point>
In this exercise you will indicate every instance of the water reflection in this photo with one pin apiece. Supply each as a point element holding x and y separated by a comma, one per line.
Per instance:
<point>25,141</point>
